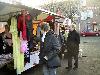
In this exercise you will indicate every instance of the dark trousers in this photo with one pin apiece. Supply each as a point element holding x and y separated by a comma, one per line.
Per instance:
<point>70,57</point>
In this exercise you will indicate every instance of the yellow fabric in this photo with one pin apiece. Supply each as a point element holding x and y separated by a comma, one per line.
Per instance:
<point>17,55</point>
<point>35,28</point>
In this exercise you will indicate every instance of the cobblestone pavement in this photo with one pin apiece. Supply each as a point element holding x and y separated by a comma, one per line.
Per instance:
<point>89,63</point>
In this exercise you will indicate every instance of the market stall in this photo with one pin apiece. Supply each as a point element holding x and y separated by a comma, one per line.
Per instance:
<point>18,17</point>
<point>23,22</point>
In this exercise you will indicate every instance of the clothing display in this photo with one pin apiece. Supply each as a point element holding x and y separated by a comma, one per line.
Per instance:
<point>24,44</point>
<point>29,36</point>
<point>29,26</point>
<point>21,30</point>
<point>4,59</point>
<point>27,56</point>
<point>35,29</point>
<point>17,55</point>
<point>38,31</point>
<point>25,26</point>
<point>34,59</point>
<point>22,26</point>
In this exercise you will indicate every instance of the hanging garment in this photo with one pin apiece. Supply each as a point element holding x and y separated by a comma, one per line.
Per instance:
<point>31,44</point>
<point>24,44</point>
<point>17,55</point>
<point>29,26</point>
<point>29,29</point>
<point>22,26</point>
<point>24,48</point>
<point>27,54</point>
<point>35,28</point>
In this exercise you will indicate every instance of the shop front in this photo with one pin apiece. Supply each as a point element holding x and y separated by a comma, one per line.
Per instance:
<point>22,25</point>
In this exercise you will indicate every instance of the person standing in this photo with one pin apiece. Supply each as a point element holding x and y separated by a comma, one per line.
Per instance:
<point>48,53</point>
<point>8,40</point>
<point>73,41</point>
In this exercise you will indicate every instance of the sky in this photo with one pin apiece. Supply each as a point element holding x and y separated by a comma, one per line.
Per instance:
<point>37,3</point>
<point>32,3</point>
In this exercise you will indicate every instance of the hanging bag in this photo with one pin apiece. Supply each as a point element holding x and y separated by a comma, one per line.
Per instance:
<point>53,58</point>
<point>54,62</point>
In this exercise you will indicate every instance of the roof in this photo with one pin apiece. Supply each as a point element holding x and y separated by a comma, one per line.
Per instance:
<point>7,9</point>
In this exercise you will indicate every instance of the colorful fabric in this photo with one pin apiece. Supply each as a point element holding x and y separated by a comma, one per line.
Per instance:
<point>24,44</point>
<point>17,55</point>
<point>25,26</point>
<point>35,29</point>
<point>29,26</point>
<point>22,26</point>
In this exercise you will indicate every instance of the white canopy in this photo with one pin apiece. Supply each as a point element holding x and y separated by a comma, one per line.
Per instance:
<point>7,9</point>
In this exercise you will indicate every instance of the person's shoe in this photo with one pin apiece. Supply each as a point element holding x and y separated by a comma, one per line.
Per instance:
<point>75,68</point>
<point>68,68</point>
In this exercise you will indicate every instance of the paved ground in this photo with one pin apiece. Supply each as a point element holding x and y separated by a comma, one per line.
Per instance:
<point>89,64</point>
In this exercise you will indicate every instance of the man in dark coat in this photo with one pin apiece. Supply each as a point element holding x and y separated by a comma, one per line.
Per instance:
<point>49,51</point>
<point>73,42</point>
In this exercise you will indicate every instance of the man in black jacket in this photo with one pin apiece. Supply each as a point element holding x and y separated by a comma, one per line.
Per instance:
<point>48,53</point>
<point>72,43</point>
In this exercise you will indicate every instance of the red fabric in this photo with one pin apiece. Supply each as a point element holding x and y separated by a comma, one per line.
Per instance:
<point>28,17</point>
<point>22,26</point>
<point>49,18</point>
<point>19,23</point>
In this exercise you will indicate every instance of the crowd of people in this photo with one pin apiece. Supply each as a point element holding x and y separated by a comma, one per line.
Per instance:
<point>52,47</point>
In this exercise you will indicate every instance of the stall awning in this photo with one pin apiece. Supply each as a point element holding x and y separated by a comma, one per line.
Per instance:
<point>7,10</point>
